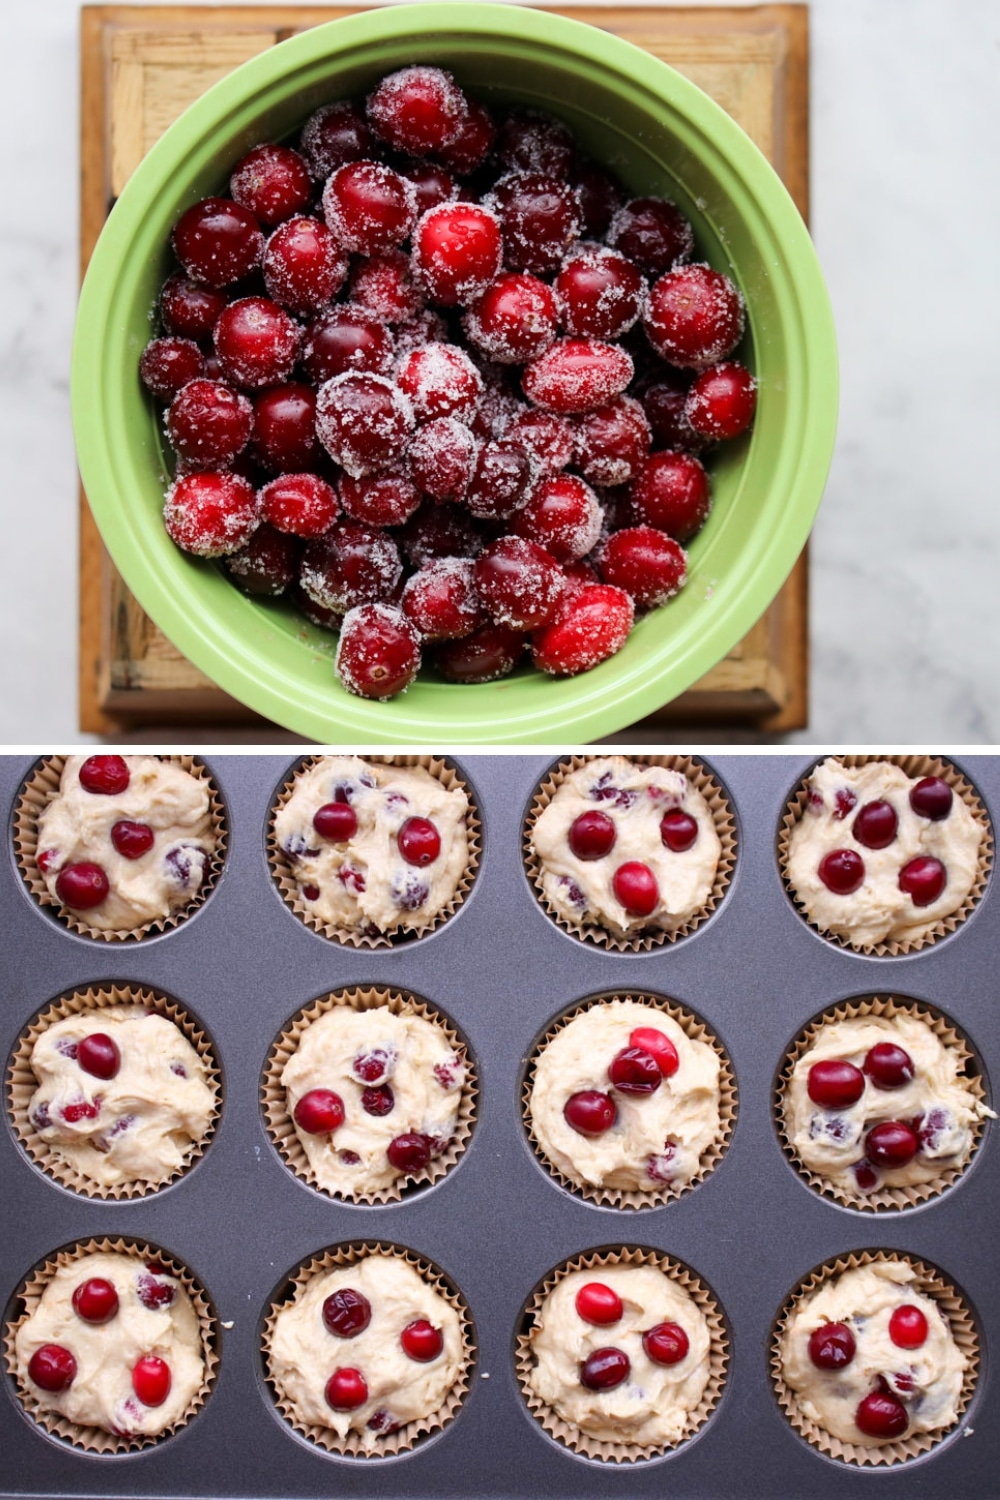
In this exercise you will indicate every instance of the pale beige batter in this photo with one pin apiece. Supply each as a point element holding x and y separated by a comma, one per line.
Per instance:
<point>353,1159</point>
<point>635,797</point>
<point>303,1354</point>
<point>149,1115</point>
<point>680,1120</point>
<point>878,911</point>
<point>652,1406</point>
<point>831,1141</point>
<point>865,1299</point>
<point>75,828</point>
<point>101,1394</point>
<point>365,883</point>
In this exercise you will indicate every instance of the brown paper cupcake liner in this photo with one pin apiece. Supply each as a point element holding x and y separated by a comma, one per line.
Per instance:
<point>640,942</point>
<point>41,787</point>
<point>933,1283</point>
<point>887,1007</point>
<point>573,1437</point>
<point>281,1128</point>
<point>443,770</point>
<point>697,1031</point>
<point>21,1084</point>
<point>916,767</point>
<point>26,1300</point>
<point>391,1443</point>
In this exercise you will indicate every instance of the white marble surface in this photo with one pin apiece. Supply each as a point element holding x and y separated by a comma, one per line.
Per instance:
<point>906,216</point>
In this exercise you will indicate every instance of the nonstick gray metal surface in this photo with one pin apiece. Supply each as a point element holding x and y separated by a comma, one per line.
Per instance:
<point>497,1223</point>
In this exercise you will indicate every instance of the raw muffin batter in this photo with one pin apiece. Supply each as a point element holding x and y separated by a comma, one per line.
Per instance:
<point>611,814</point>
<point>389,857</point>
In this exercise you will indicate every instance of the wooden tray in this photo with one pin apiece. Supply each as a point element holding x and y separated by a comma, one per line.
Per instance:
<point>141,66</point>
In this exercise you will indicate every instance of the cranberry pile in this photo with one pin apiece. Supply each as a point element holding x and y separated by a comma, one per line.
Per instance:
<point>636,1070</point>
<point>881,1413</point>
<point>603,1369</point>
<point>433,377</point>
<point>875,826</point>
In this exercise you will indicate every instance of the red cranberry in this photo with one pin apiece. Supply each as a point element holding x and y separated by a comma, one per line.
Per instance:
<point>474,141</point>
<point>519,582</point>
<point>663,396</point>
<point>52,1368</point>
<point>419,841</point>
<point>95,1300</point>
<point>490,652</point>
<point>374,1067</point>
<point>266,565</point>
<point>660,1167</point>
<point>132,840</point>
<point>105,775</point>
<point>694,317</point>
<point>923,879</point>
<point>592,835</point>
<point>440,381</point>
<point>346,1313</point>
<point>421,1341</point>
<point>659,1046</point>
<point>409,1153</point>
<point>304,267</point>
<point>590,1112</point>
<point>653,232</point>
<point>612,442</point>
<point>319,1112</point>
<point>539,219</point>
<point>378,654</point>
<point>350,564</point>
<point>211,514</point>
<point>577,375</point>
<point>188,308</point>
<point>648,565</point>
<point>562,515</point>
<point>893,1143</point>
<point>152,1289</point>
<point>218,241</point>
<point>888,1066</point>
<point>385,286</point>
<point>273,182</point>
<point>257,342</point>
<point>363,421</point>
<point>82,886</point>
<point>433,185</point>
<point>514,319</point>
<point>450,1072</point>
<point>457,251</point>
<point>678,831</point>
<point>598,1304</point>
<point>441,599</point>
<point>594,624</point>
<point>284,428</point>
<point>931,798</point>
<point>302,504</point>
<point>443,457</point>
<point>604,1369</point>
<point>635,886</point>
<point>151,1380</point>
<point>865,1176</point>
<point>842,871</point>
<point>346,1390</point>
<point>599,198</point>
<point>368,207</point>
<point>208,423</point>
<point>666,1344</point>
<point>378,1101</point>
<point>835,1084</point>
<point>671,492</point>
<point>98,1055</point>
<point>875,825</point>
<point>336,821</point>
<point>599,292</point>
<point>168,364</point>
<point>546,438</point>
<point>722,401</point>
<point>832,1346</point>
<point>634,1071</point>
<point>346,338</point>
<point>417,110</point>
<point>335,134</point>
<point>532,142</point>
<point>908,1327</point>
<point>881,1416</point>
<point>931,1127</point>
<point>382,1421</point>
<point>501,482</point>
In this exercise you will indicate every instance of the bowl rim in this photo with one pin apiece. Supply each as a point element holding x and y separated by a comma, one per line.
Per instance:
<point>540,709</point>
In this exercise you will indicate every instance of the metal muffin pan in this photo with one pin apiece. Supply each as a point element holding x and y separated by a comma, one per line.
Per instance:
<point>498,1223</point>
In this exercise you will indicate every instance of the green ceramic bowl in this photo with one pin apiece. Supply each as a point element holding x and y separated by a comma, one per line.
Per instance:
<point>661,135</point>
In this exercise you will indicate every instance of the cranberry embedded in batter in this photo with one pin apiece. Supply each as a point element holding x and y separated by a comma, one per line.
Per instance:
<point>336,821</point>
<point>95,1300</point>
<point>592,835</point>
<point>881,1416</point>
<point>152,1288</point>
<point>98,1055</point>
<point>347,1312</point>
<point>923,879</point>
<point>378,1101</point>
<point>605,1369</point>
<point>132,840</point>
<point>842,871</point>
<point>590,1112</point>
<point>634,1071</point>
<point>908,1327</point>
<point>876,825</point>
<point>888,1066</point>
<point>374,1067</point>
<point>892,1143</point>
<point>598,1304</point>
<point>834,1084</point>
<point>678,831</point>
<point>319,1112</point>
<point>635,887</point>
<point>151,1380</point>
<point>82,886</point>
<point>410,1152</point>
<point>346,1390</point>
<point>419,841</point>
<point>105,775</point>
<point>421,1341</point>
<point>931,798</point>
<point>666,1344</point>
<point>658,1045</point>
<point>832,1347</point>
<point>52,1368</point>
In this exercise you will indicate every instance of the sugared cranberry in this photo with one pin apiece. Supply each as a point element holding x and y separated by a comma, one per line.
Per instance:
<point>105,775</point>
<point>151,1380</point>
<point>500,484</point>
<point>593,625</point>
<point>347,338</point>
<point>612,442</point>
<point>842,871</point>
<point>257,342</point>
<point>519,582</point>
<point>931,798</point>
<point>441,599</point>
<point>635,887</point>
<point>599,292</point>
<point>648,565</point>
<point>336,821</point>
<point>433,185</point>
<point>363,421</point>
<point>350,564</point>
<point>694,317</point>
<point>442,458</point>
<point>52,1368</point>
<point>562,515</point>
<point>440,381</point>
<point>599,197</point>
<point>132,840</point>
<point>604,1369</point>
<point>218,241</point>
<point>875,825</point>
<point>378,1101</point>
<point>722,401</point>
<point>547,439</point>
<point>410,1152</point>
<point>208,423</point>
<point>378,654</point>
<point>923,879</point>
<point>301,504</point>
<point>82,886</point>
<point>379,499</point>
<point>881,1416</point>
<point>592,835</point>
<point>671,492</point>
<point>346,1312</point>
<point>153,1289</point>
<point>663,395</point>
<point>474,141</point>
<point>168,364</point>
<point>421,1341</point>
<point>346,1390</point>
<point>368,207</point>
<point>457,251</point>
<point>652,232</point>
<point>634,1071</point>
<point>666,1344</point>
<point>577,375</point>
<point>284,435</point>
<point>95,1300</point>
<point>532,142</point>
<point>659,1046</point>
<point>539,219</point>
<point>908,1327</point>
<point>304,267</point>
<point>335,134</point>
<point>211,514</point>
<point>319,1112</point>
<point>490,652</point>
<point>832,1346</point>
<point>417,110</point>
<point>893,1143</point>
<point>419,841</point>
<point>888,1066</point>
<point>590,1112</point>
<point>598,1304</point>
<point>678,831</point>
<point>98,1055</point>
<point>273,182</point>
<point>835,1084</point>
<point>514,320</point>
<point>188,308</point>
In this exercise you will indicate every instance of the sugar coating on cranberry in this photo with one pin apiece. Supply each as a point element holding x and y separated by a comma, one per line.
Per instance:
<point>501,480</point>
<point>347,337</point>
<point>378,654</point>
<point>694,316</point>
<point>386,286</point>
<point>670,491</point>
<point>548,440</point>
<point>441,599</point>
<point>563,515</point>
<point>519,582</point>
<point>188,308</point>
<point>648,565</point>
<point>167,364</point>
<point>218,241</point>
<point>594,624</point>
<point>611,443</point>
<point>273,182</point>
<point>652,232</point>
<point>209,423</point>
<point>490,652</point>
<point>722,401</point>
<point>304,267</point>
<point>266,566</point>
<point>379,500</point>
<point>474,141</point>
<point>350,564</point>
<point>457,251</point>
<point>417,110</point>
<point>368,207</point>
<point>600,293</point>
<point>514,320</point>
<point>363,421</point>
<point>332,135</point>
<point>302,504</point>
<point>440,381</point>
<point>442,458</point>
<point>211,514</point>
<point>577,375</point>
<point>539,220</point>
